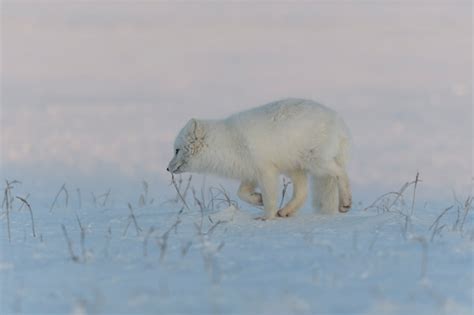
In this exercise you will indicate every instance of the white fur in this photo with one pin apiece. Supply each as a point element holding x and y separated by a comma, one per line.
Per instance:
<point>294,137</point>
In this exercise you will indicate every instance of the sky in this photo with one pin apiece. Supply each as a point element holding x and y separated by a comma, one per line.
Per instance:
<point>95,91</point>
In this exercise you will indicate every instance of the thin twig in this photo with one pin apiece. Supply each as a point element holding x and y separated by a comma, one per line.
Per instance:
<point>8,225</point>
<point>7,203</point>
<point>458,218</point>
<point>225,197</point>
<point>94,199</point>
<point>79,197</point>
<point>7,198</point>
<point>211,229</point>
<point>376,201</point>
<point>78,221</point>
<point>69,244</point>
<point>145,240</point>
<point>163,239</point>
<point>414,193</point>
<point>142,201</point>
<point>179,192</point>
<point>131,218</point>
<point>208,254</point>
<point>407,224</point>
<point>179,183</point>
<point>126,227</point>
<point>283,193</point>
<point>436,222</point>
<point>196,200</point>
<point>210,205</point>
<point>23,200</point>
<point>398,194</point>
<point>188,185</point>
<point>106,197</point>
<point>23,204</point>
<point>62,189</point>
<point>83,245</point>
<point>83,238</point>
<point>467,207</point>
<point>437,230</point>
<point>201,208</point>
<point>108,237</point>
<point>185,248</point>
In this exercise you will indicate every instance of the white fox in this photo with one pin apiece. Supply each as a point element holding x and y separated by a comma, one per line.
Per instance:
<point>293,137</point>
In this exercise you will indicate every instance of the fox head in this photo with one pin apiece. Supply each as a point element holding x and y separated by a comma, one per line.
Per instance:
<point>188,145</point>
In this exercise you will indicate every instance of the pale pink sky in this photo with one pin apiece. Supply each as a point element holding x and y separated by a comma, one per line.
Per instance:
<point>93,83</point>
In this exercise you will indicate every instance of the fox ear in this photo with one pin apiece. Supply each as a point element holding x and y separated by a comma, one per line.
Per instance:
<point>197,128</point>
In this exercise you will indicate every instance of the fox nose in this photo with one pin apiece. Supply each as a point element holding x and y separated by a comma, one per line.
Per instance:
<point>168,169</point>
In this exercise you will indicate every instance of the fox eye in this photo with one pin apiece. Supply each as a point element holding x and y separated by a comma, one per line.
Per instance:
<point>177,151</point>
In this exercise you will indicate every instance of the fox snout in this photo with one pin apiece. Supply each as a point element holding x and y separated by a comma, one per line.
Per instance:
<point>175,167</point>
<point>170,168</point>
<point>173,171</point>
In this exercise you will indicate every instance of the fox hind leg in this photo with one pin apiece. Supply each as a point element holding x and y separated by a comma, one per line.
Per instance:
<point>345,196</point>
<point>332,191</point>
<point>247,193</point>
<point>325,194</point>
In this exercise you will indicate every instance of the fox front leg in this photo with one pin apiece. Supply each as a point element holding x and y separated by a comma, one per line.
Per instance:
<point>268,183</point>
<point>300,191</point>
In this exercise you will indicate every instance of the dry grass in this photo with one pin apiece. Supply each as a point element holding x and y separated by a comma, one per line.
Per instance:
<point>25,202</point>
<point>132,218</point>
<point>73,256</point>
<point>150,231</point>
<point>7,204</point>
<point>214,198</point>
<point>178,190</point>
<point>286,183</point>
<point>395,202</point>
<point>83,238</point>
<point>162,240</point>
<point>63,190</point>
<point>417,179</point>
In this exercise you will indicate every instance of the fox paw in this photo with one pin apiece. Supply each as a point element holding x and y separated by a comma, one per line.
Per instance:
<point>345,204</point>
<point>285,213</point>
<point>265,218</point>
<point>257,199</point>
<point>344,209</point>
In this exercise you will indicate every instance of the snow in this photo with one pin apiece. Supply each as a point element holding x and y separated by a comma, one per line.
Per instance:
<point>220,260</point>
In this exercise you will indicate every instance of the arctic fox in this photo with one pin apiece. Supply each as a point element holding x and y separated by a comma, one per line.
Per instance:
<point>293,137</point>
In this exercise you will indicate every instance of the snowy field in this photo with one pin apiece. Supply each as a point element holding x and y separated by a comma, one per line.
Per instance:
<point>95,255</point>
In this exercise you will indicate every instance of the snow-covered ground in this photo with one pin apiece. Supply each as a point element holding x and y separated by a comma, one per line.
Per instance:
<point>157,257</point>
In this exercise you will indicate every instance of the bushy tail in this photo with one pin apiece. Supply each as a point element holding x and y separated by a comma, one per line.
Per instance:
<point>325,188</point>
